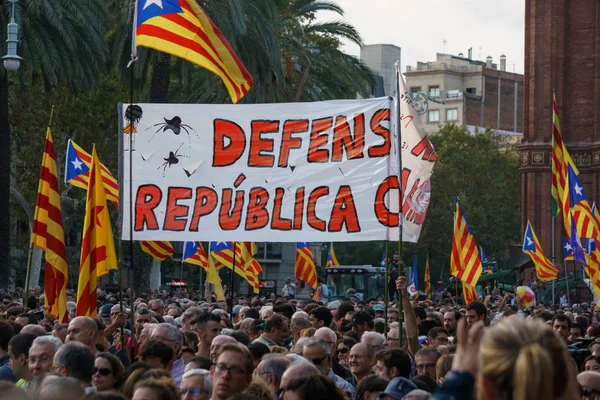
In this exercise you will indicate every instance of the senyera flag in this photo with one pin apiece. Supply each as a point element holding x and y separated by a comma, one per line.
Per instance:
<point>465,262</point>
<point>545,270</point>
<point>183,29</point>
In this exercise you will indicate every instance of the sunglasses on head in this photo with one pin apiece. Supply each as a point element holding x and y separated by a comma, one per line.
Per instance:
<point>343,350</point>
<point>103,371</point>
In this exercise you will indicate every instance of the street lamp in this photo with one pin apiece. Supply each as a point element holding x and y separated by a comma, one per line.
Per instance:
<point>12,61</point>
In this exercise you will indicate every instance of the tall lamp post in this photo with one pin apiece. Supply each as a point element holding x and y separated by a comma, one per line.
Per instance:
<point>11,62</point>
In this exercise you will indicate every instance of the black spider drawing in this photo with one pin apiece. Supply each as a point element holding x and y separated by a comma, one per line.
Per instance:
<point>172,159</point>
<point>174,125</point>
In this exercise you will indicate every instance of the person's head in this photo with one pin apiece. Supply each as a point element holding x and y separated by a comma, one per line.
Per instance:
<point>443,366</point>
<point>232,372</point>
<point>271,369</point>
<point>589,385</point>
<point>300,321</point>
<point>18,352</point>
<point>8,391</point>
<point>450,321</point>
<point>312,387</point>
<point>476,311</point>
<point>108,372</point>
<point>297,369</point>
<point>41,355</point>
<point>392,363</point>
<point>142,316</point>
<point>59,331</point>
<point>196,385</point>
<point>277,329</point>
<point>370,387</point>
<point>217,343</point>
<point>23,319</point>
<point>320,316</point>
<point>316,351</point>
<point>437,337</point>
<point>343,350</point>
<point>170,335</point>
<point>576,331</point>
<point>156,389</point>
<point>54,387</point>
<point>392,339</point>
<point>362,321</point>
<point>208,326</point>
<point>361,360</point>
<point>83,330</point>
<point>75,360</point>
<point>592,363</point>
<point>157,306</point>
<point>561,324</point>
<point>375,341</point>
<point>328,337</point>
<point>156,353</point>
<point>524,359</point>
<point>426,360</point>
<point>6,333</point>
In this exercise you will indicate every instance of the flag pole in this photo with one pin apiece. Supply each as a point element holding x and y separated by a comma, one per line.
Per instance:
<point>232,281</point>
<point>553,257</point>
<point>386,294</point>
<point>400,200</point>
<point>30,255</point>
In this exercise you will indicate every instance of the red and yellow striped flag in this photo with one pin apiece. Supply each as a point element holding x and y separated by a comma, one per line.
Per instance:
<point>593,272</point>
<point>469,293</point>
<point>545,270</point>
<point>560,161</point>
<point>183,29</point>
<point>245,264</point>
<point>158,250</point>
<point>305,268</point>
<point>98,254</point>
<point>427,279</point>
<point>465,263</point>
<point>48,234</point>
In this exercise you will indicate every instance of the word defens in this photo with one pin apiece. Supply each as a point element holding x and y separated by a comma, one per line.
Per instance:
<point>230,140</point>
<point>183,209</point>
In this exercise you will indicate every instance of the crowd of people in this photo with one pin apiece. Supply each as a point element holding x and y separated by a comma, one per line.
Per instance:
<point>188,346</point>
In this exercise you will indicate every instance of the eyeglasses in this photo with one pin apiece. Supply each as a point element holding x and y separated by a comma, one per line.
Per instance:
<point>588,391</point>
<point>442,339</point>
<point>343,350</point>
<point>318,361</point>
<point>193,391</point>
<point>422,367</point>
<point>233,371</point>
<point>103,371</point>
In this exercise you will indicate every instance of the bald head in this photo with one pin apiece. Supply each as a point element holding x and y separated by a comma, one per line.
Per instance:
<point>217,343</point>
<point>83,330</point>
<point>37,330</point>
<point>298,369</point>
<point>590,379</point>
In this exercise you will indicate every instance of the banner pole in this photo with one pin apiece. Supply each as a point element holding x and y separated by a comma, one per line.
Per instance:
<point>386,294</point>
<point>232,281</point>
<point>400,200</point>
<point>553,258</point>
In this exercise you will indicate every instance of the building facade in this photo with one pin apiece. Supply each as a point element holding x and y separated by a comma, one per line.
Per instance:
<point>381,59</point>
<point>467,92</point>
<point>562,55</point>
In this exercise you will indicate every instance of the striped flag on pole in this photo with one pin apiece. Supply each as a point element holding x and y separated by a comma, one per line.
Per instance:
<point>305,268</point>
<point>465,263</point>
<point>193,253</point>
<point>560,161</point>
<point>48,235</point>
<point>545,270</point>
<point>158,250</point>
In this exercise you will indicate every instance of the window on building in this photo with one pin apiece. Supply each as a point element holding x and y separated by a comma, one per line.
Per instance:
<point>433,116</point>
<point>268,251</point>
<point>452,114</point>
<point>472,90</point>
<point>434,91</point>
<point>415,89</point>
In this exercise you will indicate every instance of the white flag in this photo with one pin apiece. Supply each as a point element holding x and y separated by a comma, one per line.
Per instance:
<point>418,159</point>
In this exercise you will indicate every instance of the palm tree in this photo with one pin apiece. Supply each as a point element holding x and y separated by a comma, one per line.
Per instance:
<point>61,42</point>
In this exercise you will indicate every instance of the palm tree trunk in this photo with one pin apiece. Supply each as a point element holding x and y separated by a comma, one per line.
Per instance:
<point>5,268</point>
<point>161,78</point>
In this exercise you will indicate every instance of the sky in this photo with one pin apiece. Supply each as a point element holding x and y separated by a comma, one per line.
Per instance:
<point>420,27</point>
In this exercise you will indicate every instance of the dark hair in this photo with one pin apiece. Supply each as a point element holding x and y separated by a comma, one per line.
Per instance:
<point>344,308</point>
<point>562,318</point>
<point>258,350</point>
<point>252,313</point>
<point>420,313</point>
<point>78,360</point>
<point>434,332</point>
<point>157,348</point>
<point>347,340</point>
<point>190,339</point>
<point>315,387</point>
<point>322,313</point>
<point>201,362</point>
<point>353,334</point>
<point>371,383</point>
<point>118,370</point>
<point>21,343</point>
<point>582,321</point>
<point>109,395</point>
<point>425,326</point>
<point>286,309</point>
<point>241,336</point>
<point>426,383</point>
<point>6,333</point>
<point>14,311</point>
<point>275,322</point>
<point>395,358</point>
<point>204,317</point>
<point>478,307</point>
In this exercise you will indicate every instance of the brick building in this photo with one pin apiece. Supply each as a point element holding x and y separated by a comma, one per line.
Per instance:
<point>562,52</point>
<point>474,93</point>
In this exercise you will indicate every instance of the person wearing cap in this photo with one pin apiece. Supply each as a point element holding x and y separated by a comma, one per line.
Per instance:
<point>379,310</point>
<point>236,313</point>
<point>361,322</point>
<point>397,389</point>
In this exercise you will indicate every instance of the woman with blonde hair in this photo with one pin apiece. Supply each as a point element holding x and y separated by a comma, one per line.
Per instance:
<point>516,359</point>
<point>443,365</point>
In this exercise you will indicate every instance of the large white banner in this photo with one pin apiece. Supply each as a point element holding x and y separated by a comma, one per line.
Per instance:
<point>268,172</point>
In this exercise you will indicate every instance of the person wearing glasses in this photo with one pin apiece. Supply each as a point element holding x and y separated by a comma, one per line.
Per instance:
<point>233,371</point>
<point>196,385</point>
<point>316,350</point>
<point>271,369</point>
<point>437,337</point>
<point>108,372</point>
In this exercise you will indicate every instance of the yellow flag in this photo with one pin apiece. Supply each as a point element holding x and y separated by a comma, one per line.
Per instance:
<point>212,276</point>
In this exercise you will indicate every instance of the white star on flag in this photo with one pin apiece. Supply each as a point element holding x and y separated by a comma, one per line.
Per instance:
<point>529,241</point>
<point>578,189</point>
<point>77,164</point>
<point>150,2</point>
<point>568,247</point>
